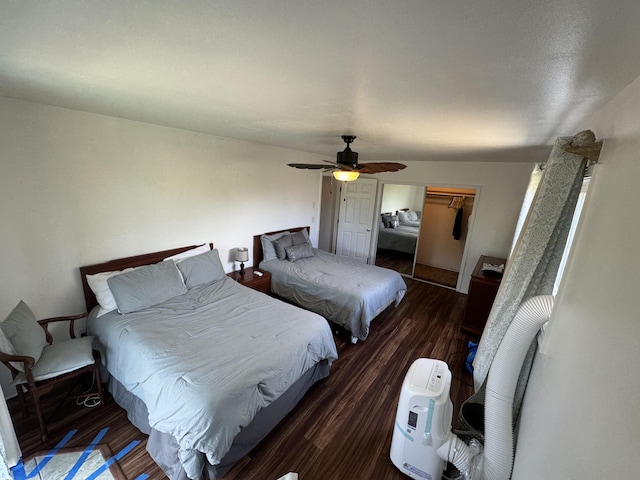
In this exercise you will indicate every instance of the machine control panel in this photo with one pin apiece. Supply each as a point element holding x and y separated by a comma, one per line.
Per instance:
<point>437,378</point>
<point>431,378</point>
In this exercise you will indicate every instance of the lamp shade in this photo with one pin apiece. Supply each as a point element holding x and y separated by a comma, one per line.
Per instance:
<point>242,254</point>
<point>345,176</point>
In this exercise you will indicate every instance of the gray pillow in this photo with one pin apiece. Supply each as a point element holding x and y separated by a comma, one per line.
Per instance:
<point>203,268</point>
<point>297,252</point>
<point>298,238</point>
<point>146,286</point>
<point>268,248</point>
<point>386,219</point>
<point>24,333</point>
<point>281,244</point>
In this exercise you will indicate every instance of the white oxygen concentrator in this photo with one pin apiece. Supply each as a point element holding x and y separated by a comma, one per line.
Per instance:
<point>423,420</point>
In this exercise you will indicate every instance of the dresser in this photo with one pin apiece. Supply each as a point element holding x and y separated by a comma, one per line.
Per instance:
<point>482,291</point>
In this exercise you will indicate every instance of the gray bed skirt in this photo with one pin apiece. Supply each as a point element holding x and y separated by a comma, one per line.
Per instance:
<point>163,447</point>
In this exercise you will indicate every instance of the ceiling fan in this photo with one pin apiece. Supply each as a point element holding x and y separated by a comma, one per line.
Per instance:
<point>346,167</point>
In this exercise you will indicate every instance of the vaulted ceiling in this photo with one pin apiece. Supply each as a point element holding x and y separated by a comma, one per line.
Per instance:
<point>413,79</point>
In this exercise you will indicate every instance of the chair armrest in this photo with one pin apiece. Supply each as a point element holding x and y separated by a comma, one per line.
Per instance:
<point>28,362</point>
<point>44,323</point>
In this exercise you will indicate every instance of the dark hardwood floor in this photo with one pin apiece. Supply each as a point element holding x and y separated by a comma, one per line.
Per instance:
<point>341,429</point>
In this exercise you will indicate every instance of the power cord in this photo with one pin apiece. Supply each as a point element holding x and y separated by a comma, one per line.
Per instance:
<point>90,401</point>
<point>87,398</point>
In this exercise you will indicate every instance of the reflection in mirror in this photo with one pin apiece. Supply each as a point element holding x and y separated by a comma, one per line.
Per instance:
<point>446,216</point>
<point>399,226</point>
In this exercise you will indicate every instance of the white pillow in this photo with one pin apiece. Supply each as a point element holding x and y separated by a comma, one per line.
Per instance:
<point>100,287</point>
<point>178,257</point>
<point>403,217</point>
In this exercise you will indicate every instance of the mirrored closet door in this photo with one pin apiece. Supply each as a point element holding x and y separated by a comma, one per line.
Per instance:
<point>399,227</point>
<point>422,231</point>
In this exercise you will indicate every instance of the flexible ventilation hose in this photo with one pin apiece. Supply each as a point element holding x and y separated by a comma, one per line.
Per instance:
<point>497,460</point>
<point>458,453</point>
<point>501,385</point>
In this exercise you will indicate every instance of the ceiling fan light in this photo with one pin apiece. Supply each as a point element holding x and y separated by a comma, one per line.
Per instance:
<point>345,176</point>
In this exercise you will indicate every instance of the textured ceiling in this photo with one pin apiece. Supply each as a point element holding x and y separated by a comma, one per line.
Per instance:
<point>414,80</point>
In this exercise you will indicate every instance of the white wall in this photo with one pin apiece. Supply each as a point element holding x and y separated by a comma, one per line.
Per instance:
<point>396,197</point>
<point>581,415</point>
<point>80,188</point>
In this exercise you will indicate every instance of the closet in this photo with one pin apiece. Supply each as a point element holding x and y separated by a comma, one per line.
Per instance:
<point>444,219</point>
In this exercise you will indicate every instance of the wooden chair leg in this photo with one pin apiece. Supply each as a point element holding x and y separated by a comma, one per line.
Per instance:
<point>44,434</point>
<point>98,377</point>
<point>23,402</point>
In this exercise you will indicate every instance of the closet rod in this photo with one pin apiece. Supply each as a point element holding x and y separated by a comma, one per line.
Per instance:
<point>445,194</point>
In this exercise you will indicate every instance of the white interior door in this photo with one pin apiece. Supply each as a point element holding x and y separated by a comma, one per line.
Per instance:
<point>355,219</point>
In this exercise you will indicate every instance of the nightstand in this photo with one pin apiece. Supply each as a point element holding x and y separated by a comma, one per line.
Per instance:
<point>251,280</point>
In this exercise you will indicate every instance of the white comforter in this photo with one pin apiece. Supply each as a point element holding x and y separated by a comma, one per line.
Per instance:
<point>206,362</point>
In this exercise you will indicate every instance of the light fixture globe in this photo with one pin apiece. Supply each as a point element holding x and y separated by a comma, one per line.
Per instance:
<point>345,176</point>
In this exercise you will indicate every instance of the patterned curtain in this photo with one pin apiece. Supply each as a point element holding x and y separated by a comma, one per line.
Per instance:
<point>532,267</point>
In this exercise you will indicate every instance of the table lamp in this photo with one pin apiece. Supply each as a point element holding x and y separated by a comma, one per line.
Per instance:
<point>242,255</point>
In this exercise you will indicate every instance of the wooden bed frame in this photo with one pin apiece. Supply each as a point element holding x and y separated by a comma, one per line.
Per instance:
<point>122,263</point>
<point>257,244</point>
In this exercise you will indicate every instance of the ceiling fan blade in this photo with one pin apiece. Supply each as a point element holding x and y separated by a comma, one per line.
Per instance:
<point>380,167</point>
<point>311,166</point>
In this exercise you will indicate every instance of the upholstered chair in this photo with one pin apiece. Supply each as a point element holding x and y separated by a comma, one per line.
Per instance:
<point>37,364</point>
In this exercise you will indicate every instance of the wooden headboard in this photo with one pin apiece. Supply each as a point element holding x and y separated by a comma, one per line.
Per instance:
<point>257,244</point>
<point>120,264</point>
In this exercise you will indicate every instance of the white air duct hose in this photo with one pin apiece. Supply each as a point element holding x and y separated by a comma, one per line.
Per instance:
<point>497,459</point>
<point>501,385</point>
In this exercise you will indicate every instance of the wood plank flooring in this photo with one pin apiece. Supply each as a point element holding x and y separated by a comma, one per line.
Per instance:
<point>341,429</point>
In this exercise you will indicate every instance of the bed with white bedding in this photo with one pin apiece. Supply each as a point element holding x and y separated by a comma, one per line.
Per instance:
<point>344,291</point>
<point>201,369</point>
